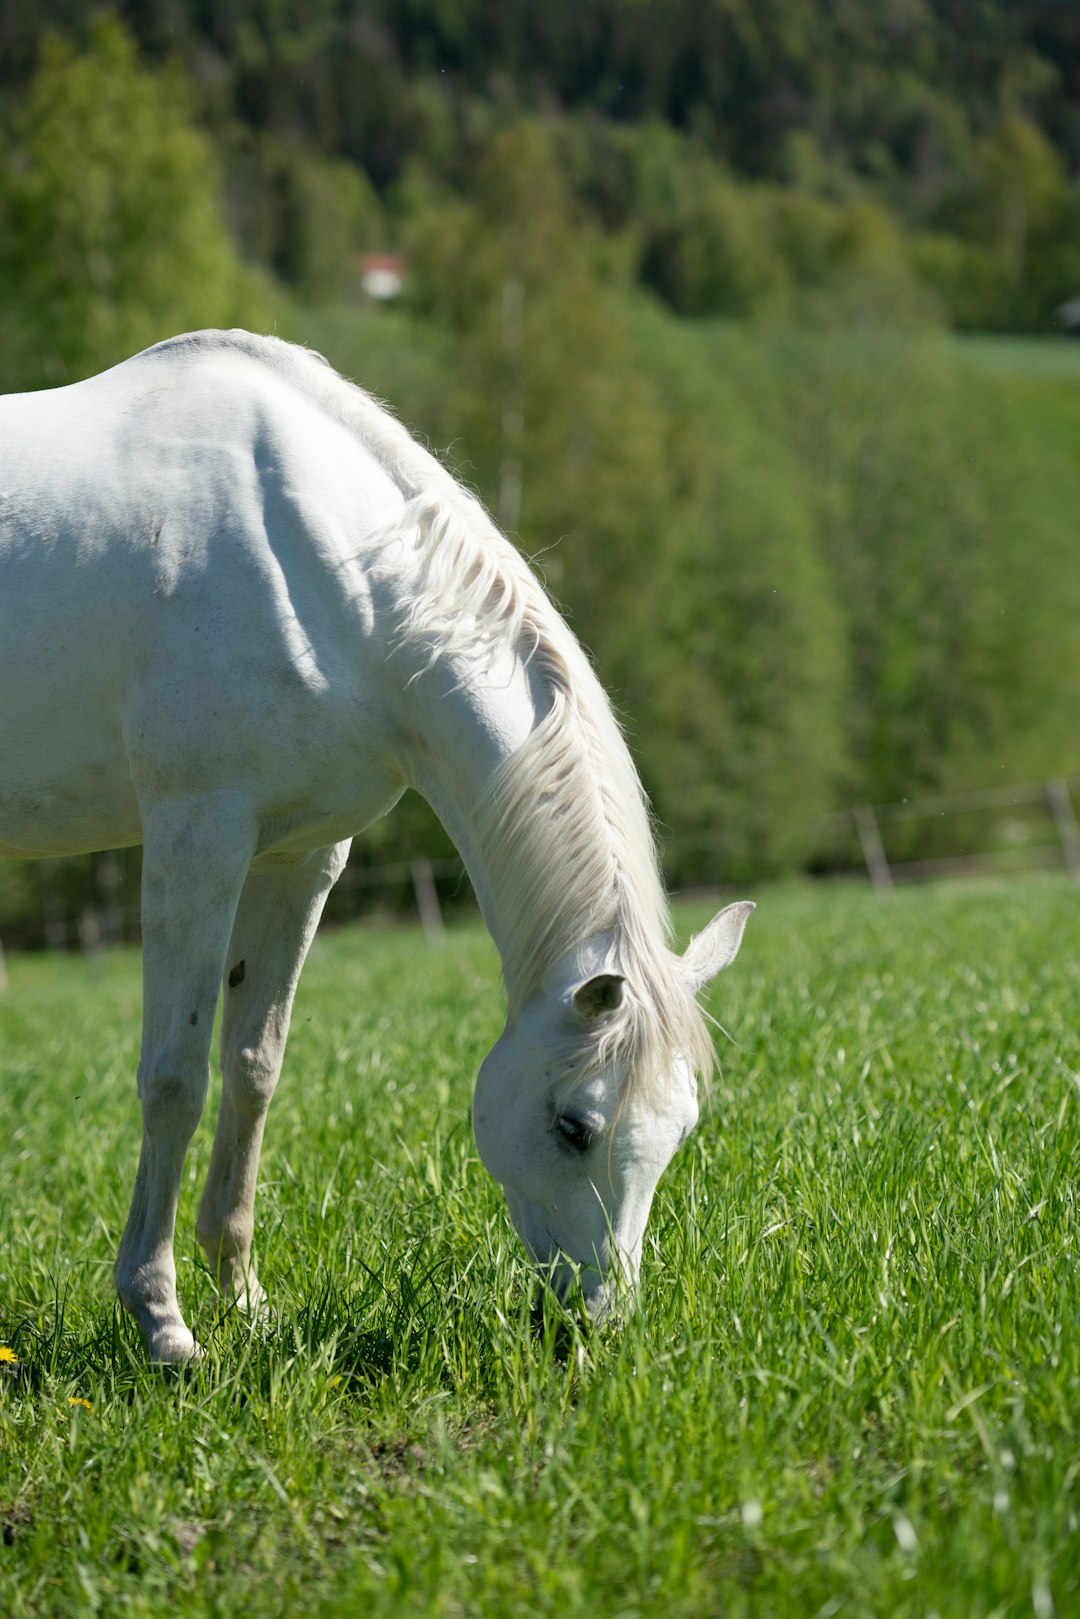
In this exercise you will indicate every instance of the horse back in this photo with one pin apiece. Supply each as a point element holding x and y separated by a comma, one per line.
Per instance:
<point>182,596</point>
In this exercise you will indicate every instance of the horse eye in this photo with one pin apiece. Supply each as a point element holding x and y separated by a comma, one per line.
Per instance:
<point>576,1132</point>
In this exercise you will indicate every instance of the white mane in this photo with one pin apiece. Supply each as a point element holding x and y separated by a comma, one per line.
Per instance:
<point>569,801</point>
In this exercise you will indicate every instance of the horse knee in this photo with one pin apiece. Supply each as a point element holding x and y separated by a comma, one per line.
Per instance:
<point>225,1236</point>
<point>172,1097</point>
<point>250,1076</point>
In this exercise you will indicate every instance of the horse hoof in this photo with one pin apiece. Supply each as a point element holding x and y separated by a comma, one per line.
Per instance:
<point>247,1299</point>
<point>250,1300</point>
<point>173,1346</point>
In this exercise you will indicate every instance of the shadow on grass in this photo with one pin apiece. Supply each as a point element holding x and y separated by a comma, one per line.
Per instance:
<point>420,1318</point>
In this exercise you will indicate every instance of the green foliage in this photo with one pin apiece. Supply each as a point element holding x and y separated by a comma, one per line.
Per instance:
<point>734,250</point>
<point>852,1381</point>
<point>792,548</point>
<point>691,127</point>
<point>112,235</point>
<point>551,419</point>
<point>817,558</point>
<point>716,258</point>
<point>732,661</point>
<point>694,579</point>
<point>17,899</point>
<point>1012,252</point>
<point>914,483</point>
<point>306,216</point>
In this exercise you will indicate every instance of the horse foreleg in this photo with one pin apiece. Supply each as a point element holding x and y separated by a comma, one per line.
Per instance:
<point>277,916</point>
<point>195,858</point>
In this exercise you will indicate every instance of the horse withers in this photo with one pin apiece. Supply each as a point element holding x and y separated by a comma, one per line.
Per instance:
<point>241,610</point>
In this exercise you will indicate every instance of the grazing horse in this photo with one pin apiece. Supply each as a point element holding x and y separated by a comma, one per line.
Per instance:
<point>241,610</point>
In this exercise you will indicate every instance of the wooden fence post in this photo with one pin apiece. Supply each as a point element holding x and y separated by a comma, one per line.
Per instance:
<point>1061,808</point>
<point>427,900</point>
<point>873,849</point>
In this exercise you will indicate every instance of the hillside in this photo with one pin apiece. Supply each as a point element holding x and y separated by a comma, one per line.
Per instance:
<point>819,537</point>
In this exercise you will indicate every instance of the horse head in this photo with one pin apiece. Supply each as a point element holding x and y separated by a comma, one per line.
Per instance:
<point>577,1139</point>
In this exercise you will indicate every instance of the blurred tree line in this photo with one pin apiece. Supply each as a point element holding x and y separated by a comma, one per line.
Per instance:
<point>680,279</point>
<point>734,149</point>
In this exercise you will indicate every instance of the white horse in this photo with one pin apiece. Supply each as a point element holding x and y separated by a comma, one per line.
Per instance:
<point>241,610</point>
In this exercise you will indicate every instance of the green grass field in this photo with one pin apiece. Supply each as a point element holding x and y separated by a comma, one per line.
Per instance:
<point>853,1386</point>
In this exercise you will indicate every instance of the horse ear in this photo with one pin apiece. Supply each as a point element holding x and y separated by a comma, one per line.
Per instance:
<point>717,945</point>
<point>598,996</point>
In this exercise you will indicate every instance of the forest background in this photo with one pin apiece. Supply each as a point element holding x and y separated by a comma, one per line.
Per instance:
<point>744,318</point>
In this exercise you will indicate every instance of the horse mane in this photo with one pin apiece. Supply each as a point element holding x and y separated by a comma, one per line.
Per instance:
<point>573,783</point>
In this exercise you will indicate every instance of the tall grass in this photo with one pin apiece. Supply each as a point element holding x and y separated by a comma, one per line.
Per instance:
<point>853,1384</point>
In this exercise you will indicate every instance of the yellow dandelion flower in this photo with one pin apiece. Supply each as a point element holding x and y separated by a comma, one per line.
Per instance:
<point>77,1399</point>
<point>8,1357</point>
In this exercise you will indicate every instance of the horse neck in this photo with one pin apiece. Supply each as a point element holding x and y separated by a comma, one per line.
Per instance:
<point>468,726</point>
<point>515,746</point>
<point>508,766</point>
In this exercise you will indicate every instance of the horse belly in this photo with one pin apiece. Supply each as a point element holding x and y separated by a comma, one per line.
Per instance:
<point>46,823</point>
<point>65,786</point>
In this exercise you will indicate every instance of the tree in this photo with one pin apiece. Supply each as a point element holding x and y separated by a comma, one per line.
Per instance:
<point>111,229</point>
<point>547,398</point>
<point>952,593</point>
<point>111,237</point>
